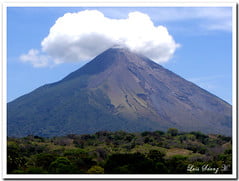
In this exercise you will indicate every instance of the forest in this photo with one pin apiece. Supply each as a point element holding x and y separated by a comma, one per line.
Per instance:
<point>120,152</point>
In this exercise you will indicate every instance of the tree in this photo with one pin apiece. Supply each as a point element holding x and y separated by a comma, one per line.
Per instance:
<point>15,160</point>
<point>63,141</point>
<point>200,136</point>
<point>158,160</point>
<point>44,160</point>
<point>156,156</point>
<point>177,164</point>
<point>79,158</point>
<point>173,131</point>
<point>61,166</point>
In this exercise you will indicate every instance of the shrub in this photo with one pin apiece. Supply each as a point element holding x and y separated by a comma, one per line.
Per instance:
<point>36,170</point>
<point>135,163</point>
<point>96,170</point>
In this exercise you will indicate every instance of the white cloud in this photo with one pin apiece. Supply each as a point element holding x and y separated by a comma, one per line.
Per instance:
<point>82,36</point>
<point>208,18</point>
<point>222,25</point>
<point>35,58</point>
<point>209,83</point>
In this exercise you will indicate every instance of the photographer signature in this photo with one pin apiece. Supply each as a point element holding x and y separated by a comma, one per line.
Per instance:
<point>207,168</point>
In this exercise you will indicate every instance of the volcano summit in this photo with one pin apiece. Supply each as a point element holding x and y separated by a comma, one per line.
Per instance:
<point>118,90</point>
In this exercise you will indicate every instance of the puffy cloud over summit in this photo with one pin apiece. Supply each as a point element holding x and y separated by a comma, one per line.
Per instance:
<point>83,35</point>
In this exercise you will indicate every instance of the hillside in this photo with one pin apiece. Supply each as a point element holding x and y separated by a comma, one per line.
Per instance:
<point>118,90</point>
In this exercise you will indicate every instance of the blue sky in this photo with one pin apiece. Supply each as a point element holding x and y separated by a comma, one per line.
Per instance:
<point>203,57</point>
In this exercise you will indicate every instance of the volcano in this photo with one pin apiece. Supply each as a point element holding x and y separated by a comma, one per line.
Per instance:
<point>118,90</point>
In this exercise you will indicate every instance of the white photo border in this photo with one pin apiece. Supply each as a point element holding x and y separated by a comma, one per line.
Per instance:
<point>139,3</point>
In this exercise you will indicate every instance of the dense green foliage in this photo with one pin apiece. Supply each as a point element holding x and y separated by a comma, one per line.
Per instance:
<point>121,153</point>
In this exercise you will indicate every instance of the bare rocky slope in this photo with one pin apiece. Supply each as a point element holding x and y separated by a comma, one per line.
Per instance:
<point>118,90</point>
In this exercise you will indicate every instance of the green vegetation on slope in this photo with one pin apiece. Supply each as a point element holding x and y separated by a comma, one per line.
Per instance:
<point>121,153</point>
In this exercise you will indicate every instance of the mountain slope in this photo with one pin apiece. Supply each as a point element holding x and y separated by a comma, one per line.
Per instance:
<point>118,90</point>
